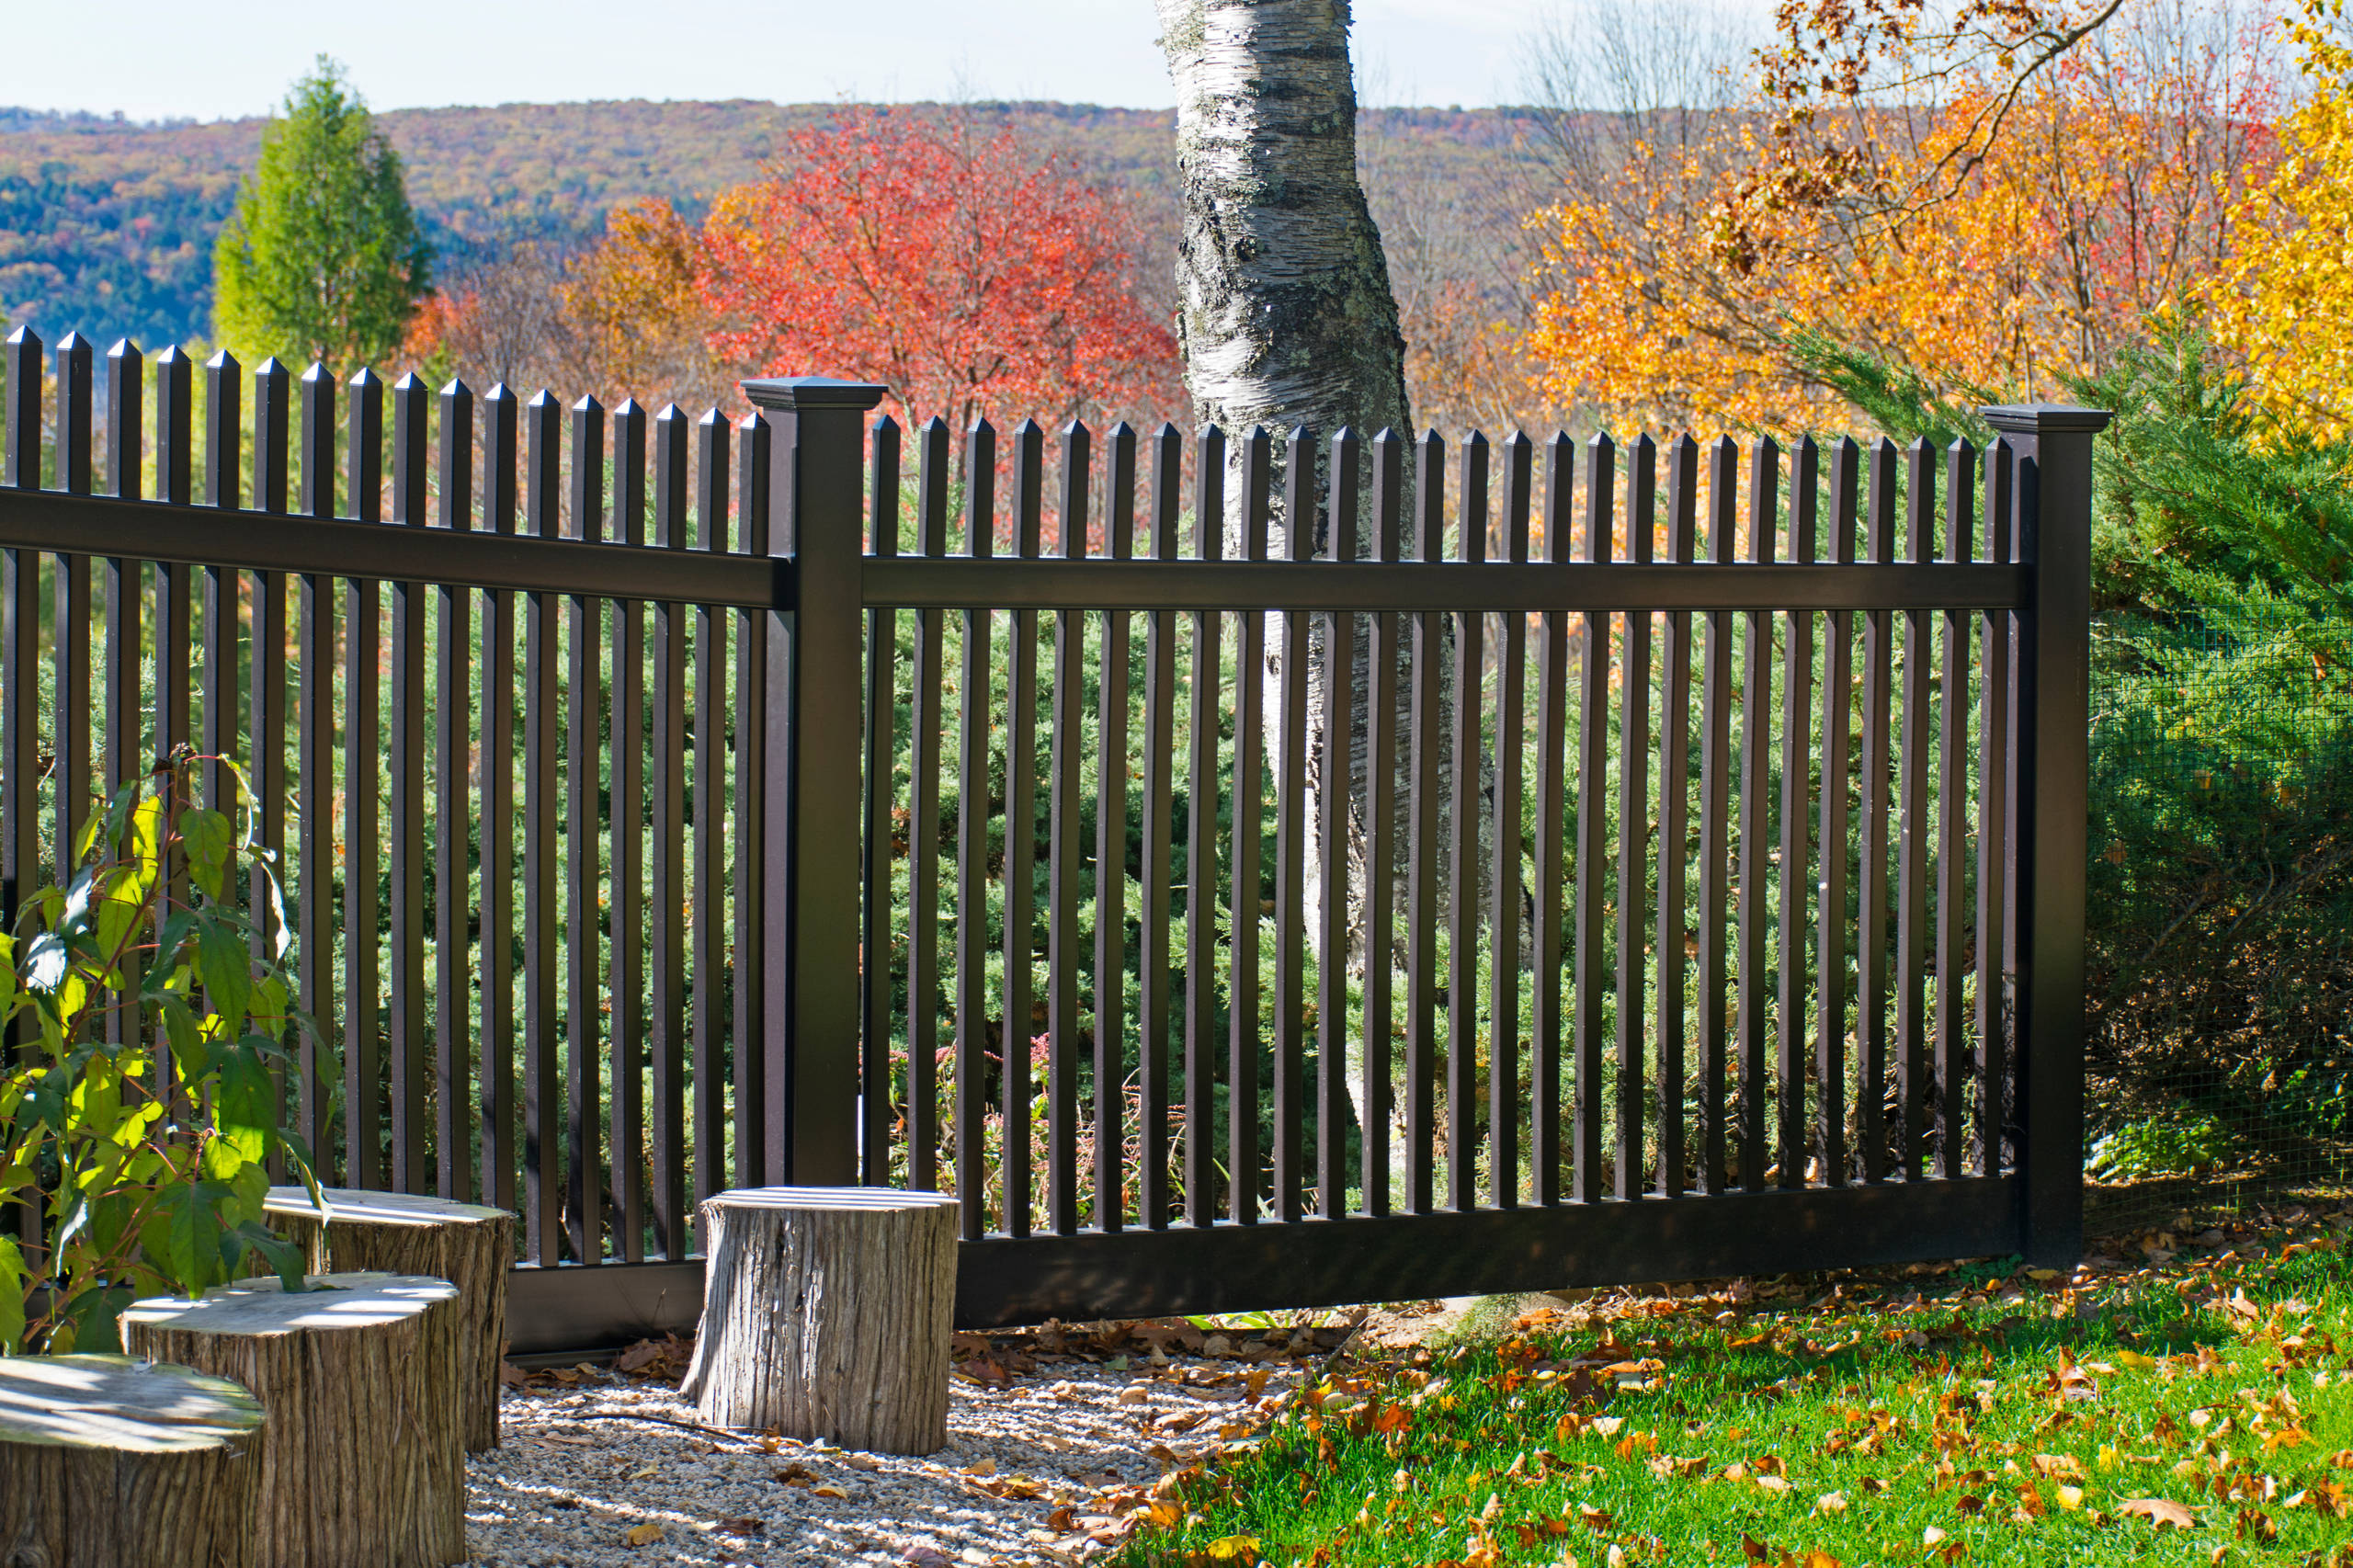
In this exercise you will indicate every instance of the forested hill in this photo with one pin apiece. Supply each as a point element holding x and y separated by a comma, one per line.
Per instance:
<point>106,226</point>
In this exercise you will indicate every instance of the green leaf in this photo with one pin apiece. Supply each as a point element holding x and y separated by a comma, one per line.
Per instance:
<point>206,837</point>
<point>12,1297</point>
<point>286,1259</point>
<point>90,1323</point>
<point>244,1105</point>
<point>182,1236</point>
<point>228,974</point>
<point>45,962</point>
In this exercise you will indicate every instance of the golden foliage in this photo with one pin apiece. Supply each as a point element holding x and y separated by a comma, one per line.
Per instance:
<point>2105,200</point>
<point>2282,305</point>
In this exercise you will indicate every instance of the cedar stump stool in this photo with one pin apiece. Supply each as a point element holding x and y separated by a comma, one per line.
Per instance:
<point>361,1462</point>
<point>825,1314</point>
<point>394,1232</point>
<point>109,1462</point>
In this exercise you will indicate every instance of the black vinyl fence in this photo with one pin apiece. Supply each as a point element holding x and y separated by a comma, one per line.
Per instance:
<point>729,805</point>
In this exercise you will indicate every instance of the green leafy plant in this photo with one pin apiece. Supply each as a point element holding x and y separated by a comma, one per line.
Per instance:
<point>139,1110</point>
<point>2181,1144</point>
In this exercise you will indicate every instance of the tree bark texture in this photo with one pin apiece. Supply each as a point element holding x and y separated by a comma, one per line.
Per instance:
<point>393,1233</point>
<point>1286,318</point>
<point>107,1461</point>
<point>825,1314</point>
<point>361,1461</point>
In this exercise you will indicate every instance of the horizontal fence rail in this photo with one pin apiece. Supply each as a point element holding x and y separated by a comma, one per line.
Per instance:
<point>1247,871</point>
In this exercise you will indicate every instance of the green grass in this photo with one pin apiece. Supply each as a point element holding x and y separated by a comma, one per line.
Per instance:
<point>1973,1415</point>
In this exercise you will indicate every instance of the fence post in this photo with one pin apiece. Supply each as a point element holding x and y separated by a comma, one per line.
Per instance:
<point>813,712</point>
<point>2051,450</point>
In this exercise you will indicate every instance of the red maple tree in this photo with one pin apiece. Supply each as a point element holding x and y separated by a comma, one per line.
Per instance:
<point>956,262</point>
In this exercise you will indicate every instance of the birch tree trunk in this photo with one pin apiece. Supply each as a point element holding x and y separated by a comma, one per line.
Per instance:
<point>1285,314</point>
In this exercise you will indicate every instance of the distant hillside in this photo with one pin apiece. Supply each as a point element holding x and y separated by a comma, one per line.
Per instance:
<point>106,226</point>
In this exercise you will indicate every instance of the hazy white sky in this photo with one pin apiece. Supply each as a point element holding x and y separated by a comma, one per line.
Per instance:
<point>152,58</point>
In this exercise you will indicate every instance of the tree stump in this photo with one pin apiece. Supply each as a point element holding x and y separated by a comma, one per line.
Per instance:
<point>394,1232</point>
<point>361,1460</point>
<point>111,1463</point>
<point>825,1314</point>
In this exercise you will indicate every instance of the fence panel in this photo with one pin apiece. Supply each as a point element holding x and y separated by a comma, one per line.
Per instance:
<point>1400,876</point>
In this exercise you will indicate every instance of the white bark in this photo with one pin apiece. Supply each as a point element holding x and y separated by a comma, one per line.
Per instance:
<point>1285,315</point>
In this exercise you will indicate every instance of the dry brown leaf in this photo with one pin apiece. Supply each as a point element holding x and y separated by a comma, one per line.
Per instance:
<point>645,1534</point>
<point>2159,1511</point>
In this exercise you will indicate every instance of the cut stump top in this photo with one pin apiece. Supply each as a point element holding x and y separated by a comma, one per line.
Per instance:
<point>360,1206</point>
<point>120,1405</point>
<point>830,1198</point>
<point>260,1307</point>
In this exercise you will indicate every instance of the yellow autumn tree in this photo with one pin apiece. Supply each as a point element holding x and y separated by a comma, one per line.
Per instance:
<point>2284,306</point>
<point>2108,196</point>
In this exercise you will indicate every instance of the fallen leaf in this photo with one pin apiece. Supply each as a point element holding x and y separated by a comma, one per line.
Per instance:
<point>828,1490</point>
<point>2159,1511</point>
<point>1932,1536</point>
<point>1234,1549</point>
<point>1830,1502</point>
<point>643,1535</point>
<point>738,1527</point>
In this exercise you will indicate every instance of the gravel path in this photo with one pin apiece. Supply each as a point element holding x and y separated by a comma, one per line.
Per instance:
<point>1046,1459</point>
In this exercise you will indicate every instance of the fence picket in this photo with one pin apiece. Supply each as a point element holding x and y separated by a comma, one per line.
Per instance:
<point>1291,839</point>
<point>1590,960</point>
<point>1113,674</point>
<point>624,978</point>
<point>1546,1031</point>
<point>542,1149</point>
<point>972,850</point>
<point>1633,791</point>
<point>1333,802</point>
<point>1384,647</point>
<point>666,725</point>
<point>265,724</point>
<point>927,719</point>
<point>1021,933</point>
<point>1065,855</point>
<point>1792,1140</point>
<point>707,941</point>
<point>1674,798</point>
<point>1715,800</point>
<point>1422,745</point>
<point>1913,1066</point>
<point>364,1089</point>
<point>408,1169</point>
<point>501,1129</point>
<point>1507,844</point>
<point>1751,1021</point>
<point>881,761</point>
<point>748,833</point>
<point>1832,923</point>
<point>1995,808</point>
<point>316,710</point>
<point>1872,925</point>
<point>454,755</point>
<point>1949,1025</point>
<point>1202,1045</point>
<point>71,620</point>
<point>220,664</point>
<point>1154,976</point>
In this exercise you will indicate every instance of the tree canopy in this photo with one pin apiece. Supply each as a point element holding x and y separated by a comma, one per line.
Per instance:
<point>323,258</point>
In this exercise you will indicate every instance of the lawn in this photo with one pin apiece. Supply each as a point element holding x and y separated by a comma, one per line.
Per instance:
<point>2176,1400</point>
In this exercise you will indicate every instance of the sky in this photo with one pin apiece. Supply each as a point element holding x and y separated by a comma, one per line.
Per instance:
<point>152,59</point>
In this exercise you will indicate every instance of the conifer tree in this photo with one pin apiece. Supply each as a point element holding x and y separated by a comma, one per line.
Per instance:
<point>323,258</point>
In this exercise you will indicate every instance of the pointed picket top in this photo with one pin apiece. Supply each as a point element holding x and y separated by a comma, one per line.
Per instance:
<point>366,381</point>
<point>270,367</point>
<point>457,388</point>
<point>317,374</point>
<point>883,423</point>
<point>1168,429</point>
<point>223,363</point>
<point>542,399</point>
<point>25,338</point>
<point>1121,430</point>
<point>669,413</point>
<point>935,427</point>
<point>409,385</point>
<point>126,350</point>
<point>626,408</point>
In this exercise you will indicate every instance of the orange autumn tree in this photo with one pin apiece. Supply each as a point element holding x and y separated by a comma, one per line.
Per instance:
<point>957,264</point>
<point>2104,201</point>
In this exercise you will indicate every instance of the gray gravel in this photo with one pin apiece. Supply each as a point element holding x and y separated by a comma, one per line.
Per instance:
<point>1040,1472</point>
